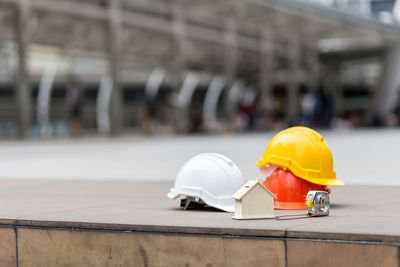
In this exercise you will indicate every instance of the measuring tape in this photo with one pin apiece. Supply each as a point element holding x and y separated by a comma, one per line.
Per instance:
<point>317,204</point>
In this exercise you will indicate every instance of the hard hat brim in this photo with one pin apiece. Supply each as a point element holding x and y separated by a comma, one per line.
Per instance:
<point>328,182</point>
<point>321,181</point>
<point>261,163</point>
<point>172,194</point>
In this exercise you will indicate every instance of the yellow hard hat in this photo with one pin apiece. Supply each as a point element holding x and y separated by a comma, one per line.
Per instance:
<point>305,153</point>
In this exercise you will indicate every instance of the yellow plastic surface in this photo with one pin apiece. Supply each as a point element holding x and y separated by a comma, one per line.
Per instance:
<point>305,153</point>
<point>308,202</point>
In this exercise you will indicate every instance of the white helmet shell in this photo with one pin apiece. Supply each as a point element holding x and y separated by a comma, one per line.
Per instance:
<point>211,177</point>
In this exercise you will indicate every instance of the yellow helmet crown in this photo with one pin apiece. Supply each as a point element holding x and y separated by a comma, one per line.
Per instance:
<point>305,153</point>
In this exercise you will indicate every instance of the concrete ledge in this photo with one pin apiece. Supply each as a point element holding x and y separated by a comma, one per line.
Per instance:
<point>8,247</point>
<point>74,247</point>
<point>328,253</point>
<point>39,247</point>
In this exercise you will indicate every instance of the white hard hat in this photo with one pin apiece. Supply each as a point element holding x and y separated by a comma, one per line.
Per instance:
<point>211,177</point>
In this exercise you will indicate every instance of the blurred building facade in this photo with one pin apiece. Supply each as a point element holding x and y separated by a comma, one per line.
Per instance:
<point>110,66</point>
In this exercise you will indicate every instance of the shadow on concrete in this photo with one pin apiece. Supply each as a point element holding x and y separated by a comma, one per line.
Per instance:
<point>339,206</point>
<point>203,209</point>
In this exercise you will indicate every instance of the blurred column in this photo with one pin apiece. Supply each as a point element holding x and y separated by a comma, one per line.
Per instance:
<point>44,99</point>
<point>23,91</point>
<point>181,119</point>
<point>103,106</point>
<point>292,81</point>
<point>313,77</point>
<point>386,95</point>
<point>114,43</point>
<point>231,62</point>
<point>179,46</point>
<point>333,85</point>
<point>266,69</point>
<point>210,103</point>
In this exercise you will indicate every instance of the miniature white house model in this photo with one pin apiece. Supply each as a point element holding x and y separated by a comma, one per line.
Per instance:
<point>253,201</point>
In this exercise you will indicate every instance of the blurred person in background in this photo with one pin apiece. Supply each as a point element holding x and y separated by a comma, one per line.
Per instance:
<point>151,113</point>
<point>397,109</point>
<point>196,122</point>
<point>74,105</point>
<point>308,108</point>
<point>326,109</point>
<point>246,117</point>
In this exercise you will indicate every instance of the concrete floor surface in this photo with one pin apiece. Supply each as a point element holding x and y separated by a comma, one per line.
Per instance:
<point>360,157</point>
<point>139,206</point>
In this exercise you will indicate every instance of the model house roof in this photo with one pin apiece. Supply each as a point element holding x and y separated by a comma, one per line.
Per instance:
<point>247,187</point>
